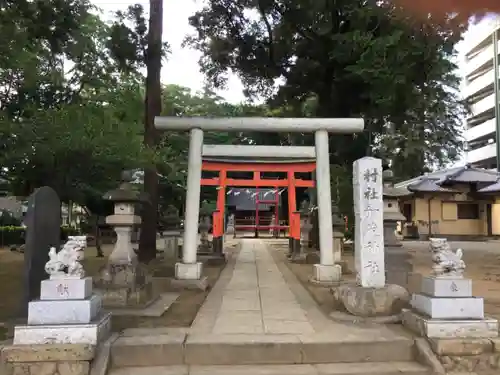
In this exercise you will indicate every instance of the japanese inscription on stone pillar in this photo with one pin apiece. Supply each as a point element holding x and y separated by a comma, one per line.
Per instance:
<point>369,217</point>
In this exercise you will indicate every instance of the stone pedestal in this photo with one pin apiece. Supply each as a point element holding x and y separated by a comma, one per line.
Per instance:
<point>186,271</point>
<point>447,309</point>
<point>124,285</point>
<point>398,266</point>
<point>171,244</point>
<point>459,337</point>
<point>326,275</point>
<point>370,302</point>
<point>65,319</point>
<point>189,276</point>
<point>48,359</point>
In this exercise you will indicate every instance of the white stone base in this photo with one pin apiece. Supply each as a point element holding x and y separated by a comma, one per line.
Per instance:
<point>188,271</point>
<point>326,274</point>
<point>92,333</point>
<point>64,289</point>
<point>448,329</point>
<point>64,312</point>
<point>449,308</point>
<point>446,287</point>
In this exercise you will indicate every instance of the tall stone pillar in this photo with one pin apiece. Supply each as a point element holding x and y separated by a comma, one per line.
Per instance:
<point>326,271</point>
<point>190,268</point>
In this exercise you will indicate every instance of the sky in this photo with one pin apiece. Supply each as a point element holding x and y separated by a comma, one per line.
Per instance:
<point>182,65</point>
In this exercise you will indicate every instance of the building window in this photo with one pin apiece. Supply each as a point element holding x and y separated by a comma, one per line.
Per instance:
<point>468,211</point>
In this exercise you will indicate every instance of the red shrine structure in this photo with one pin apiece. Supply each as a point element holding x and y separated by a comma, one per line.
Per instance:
<point>258,167</point>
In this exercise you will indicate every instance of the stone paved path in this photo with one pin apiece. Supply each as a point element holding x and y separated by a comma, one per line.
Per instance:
<point>259,319</point>
<point>257,299</point>
<point>255,295</point>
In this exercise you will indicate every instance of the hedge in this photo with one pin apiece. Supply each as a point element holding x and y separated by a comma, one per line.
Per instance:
<point>12,235</point>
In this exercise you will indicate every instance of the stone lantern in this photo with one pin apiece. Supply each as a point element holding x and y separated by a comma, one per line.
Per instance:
<point>338,233</point>
<point>305,225</point>
<point>392,213</point>
<point>338,224</point>
<point>398,265</point>
<point>171,233</point>
<point>122,281</point>
<point>299,248</point>
<point>205,247</point>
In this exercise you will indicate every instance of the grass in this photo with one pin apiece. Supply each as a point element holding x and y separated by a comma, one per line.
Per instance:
<point>180,314</point>
<point>483,267</point>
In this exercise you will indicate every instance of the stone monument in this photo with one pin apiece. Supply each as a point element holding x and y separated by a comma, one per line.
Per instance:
<point>43,231</point>
<point>368,211</point>
<point>370,297</point>
<point>67,312</point>
<point>398,265</point>
<point>123,282</point>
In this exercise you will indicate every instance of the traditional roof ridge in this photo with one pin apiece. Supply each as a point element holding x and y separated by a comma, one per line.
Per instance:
<point>452,175</point>
<point>429,186</point>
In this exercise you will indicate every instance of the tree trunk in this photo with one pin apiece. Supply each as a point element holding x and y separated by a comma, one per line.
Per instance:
<point>97,238</point>
<point>147,242</point>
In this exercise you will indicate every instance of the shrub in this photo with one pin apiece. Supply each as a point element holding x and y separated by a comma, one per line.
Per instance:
<point>15,235</point>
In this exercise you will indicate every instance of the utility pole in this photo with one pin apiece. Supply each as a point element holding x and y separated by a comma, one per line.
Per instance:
<point>496,95</point>
<point>147,242</point>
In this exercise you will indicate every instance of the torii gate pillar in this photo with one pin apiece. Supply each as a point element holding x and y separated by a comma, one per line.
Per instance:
<point>324,272</point>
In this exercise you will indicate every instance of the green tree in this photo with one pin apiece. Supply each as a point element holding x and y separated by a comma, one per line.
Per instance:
<point>173,150</point>
<point>344,59</point>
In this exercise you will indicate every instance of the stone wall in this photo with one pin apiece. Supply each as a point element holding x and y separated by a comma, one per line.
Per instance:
<point>49,359</point>
<point>467,355</point>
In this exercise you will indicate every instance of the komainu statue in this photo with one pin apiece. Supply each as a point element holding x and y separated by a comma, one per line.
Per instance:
<point>446,262</point>
<point>65,264</point>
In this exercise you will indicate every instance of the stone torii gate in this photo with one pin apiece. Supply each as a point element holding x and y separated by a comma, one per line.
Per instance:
<point>324,272</point>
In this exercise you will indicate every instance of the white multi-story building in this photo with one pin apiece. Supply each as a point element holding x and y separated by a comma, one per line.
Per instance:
<point>479,91</point>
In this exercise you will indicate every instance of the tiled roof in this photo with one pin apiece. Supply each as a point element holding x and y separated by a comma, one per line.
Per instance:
<point>429,186</point>
<point>390,191</point>
<point>493,188</point>
<point>437,181</point>
<point>471,175</point>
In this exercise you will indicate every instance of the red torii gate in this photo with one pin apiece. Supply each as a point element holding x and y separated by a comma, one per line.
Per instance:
<point>290,182</point>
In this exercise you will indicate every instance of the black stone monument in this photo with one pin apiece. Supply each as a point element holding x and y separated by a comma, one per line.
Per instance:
<point>43,226</point>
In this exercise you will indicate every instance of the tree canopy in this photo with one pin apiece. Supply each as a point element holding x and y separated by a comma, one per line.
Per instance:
<point>344,59</point>
<point>72,88</point>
